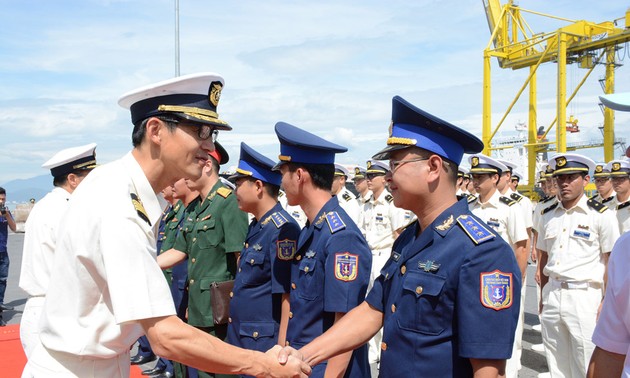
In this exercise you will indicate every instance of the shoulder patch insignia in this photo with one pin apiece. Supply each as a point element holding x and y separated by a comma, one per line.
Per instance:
<point>471,198</point>
<point>475,230</point>
<point>346,266</point>
<point>346,196</point>
<point>545,211</point>
<point>224,192</point>
<point>142,213</point>
<point>285,249</point>
<point>597,206</point>
<point>516,197</point>
<point>496,290</point>
<point>623,205</point>
<point>547,199</point>
<point>507,201</point>
<point>278,219</point>
<point>334,222</point>
<point>389,198</point>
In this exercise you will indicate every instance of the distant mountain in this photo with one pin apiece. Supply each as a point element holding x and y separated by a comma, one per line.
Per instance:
<point>22,190</point>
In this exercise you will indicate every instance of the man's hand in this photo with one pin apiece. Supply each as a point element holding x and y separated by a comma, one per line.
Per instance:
<point>286,362</point>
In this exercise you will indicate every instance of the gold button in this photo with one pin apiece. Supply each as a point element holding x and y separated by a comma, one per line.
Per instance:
<point>192,281</point>
<point>299,257</point>
<point>290,315</point>
<point>229,320</point>
<point>205,227</point>
<point>231,294</point>
<point>306,269</point>
<point>255,334</point>
<point>251,261</point>
<point>239,269</point>
<point>246,245</point>
<point>393,307</point>
<point>194,240</point>
<point>403,269</point>
<point>194,259</point>
<point>419,290</point>
<point>293,285</point>
<point>383,346</point>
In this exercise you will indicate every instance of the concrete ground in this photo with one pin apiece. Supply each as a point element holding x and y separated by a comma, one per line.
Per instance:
<point>533,362</point>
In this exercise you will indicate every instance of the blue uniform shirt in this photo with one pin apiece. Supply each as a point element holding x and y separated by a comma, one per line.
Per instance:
<point>263,275</point>
<point>450,294</point>
<point>4,233</point>
<point>329,274</point>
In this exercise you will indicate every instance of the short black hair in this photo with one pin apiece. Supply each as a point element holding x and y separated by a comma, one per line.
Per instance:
<point>321,174</point>
<point>3,191</point>
<point>140,128</point>
<point>63,179</point>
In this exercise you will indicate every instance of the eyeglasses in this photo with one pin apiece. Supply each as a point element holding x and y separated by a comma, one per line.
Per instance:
<point>371,176</point>
<point>394,164</point>
<point>203,131</point>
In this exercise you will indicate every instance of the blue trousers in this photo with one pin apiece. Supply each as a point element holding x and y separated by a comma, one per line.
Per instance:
<point>4,273</point>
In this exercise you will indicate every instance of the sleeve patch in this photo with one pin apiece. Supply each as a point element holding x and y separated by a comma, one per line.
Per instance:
<point>496,290</point>
<point>334,222</point>
<point>346,266</point>
<point>286,249</point>
<point>475,230</point>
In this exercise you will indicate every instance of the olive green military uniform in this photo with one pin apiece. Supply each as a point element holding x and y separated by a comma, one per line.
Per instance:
<point>219,228</point>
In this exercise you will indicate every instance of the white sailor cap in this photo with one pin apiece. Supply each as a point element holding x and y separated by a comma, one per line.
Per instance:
<point>359,172</point>
<point>618,168</point>
<point>482,164</point>
<point>462,171</point>
<point>563,164</point>
<point>340,170</point>
<point>511,166</point>
<point>601,170</point>
<point>376,167</point>
<point>72,159</point>
<point>516,176</point>
<point>192,97</point>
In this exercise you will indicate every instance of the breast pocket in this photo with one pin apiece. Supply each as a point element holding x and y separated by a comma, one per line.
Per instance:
<point>207,233</point>
<point>253,268</point>
<point>309,286</point>
<point>421,308</point>
<point>584,239</point>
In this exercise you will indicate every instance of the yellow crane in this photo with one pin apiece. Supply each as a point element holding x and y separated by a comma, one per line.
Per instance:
<point>516,46</point>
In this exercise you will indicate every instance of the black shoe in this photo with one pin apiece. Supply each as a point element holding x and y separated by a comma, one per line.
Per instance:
<point>5,307</point>
<point>139,360</point>
<point>164,374</point>
<point>2,322</point>
<point>155,370</point>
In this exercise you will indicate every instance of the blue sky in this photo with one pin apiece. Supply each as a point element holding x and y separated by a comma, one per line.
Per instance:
<point>331,67</point>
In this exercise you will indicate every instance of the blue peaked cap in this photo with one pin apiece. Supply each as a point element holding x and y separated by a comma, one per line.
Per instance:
<point>300,146</point>
<point>412,126</point>
<point>254,164</point>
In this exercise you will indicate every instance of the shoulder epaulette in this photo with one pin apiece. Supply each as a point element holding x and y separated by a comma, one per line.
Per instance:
<point>545,211</point>
<point>516,197</point>
<point>278,219</point>
<point>547,199</point>
<point>224,192</point>
<point>142,213</point>
<point>475,230</point>
<point>471,198</point>
<point>334,222</point>
<point>389,198</point>
<point>597,206</point>
<point>507,201</point>
<point>280,194</point>
<point>608,199</point>
<point>346,196</point>
<point>623,205</point>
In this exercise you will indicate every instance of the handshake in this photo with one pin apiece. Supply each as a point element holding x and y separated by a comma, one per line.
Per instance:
<point>291,363</point>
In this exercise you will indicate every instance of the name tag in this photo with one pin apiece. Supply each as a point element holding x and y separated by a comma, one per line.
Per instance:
<point>581,234</point>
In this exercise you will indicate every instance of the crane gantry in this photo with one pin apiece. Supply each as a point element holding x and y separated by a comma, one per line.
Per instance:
<point>516,46</point>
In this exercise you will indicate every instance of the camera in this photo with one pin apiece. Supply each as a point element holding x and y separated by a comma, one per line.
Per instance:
<point>3,208</point>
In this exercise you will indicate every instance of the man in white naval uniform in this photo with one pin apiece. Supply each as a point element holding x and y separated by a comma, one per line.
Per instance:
<point>347,199</point>
<point>620,203</point>
<point>68,168</point>
<point>508,219</point>
<point>603,184</point>
<point>107,244</point>
<point>360,184</point>
<point>381,223</point>
<point>574,240</point>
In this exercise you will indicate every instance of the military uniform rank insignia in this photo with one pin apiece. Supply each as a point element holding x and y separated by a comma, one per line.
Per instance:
<point>496,290</point>
<point>547,199</point>
<point>286,249</point>
<point>448,222</point>
<point>507,201</point>
<point>389,198</point>
<point>334,222</point>
<point>545,211</point>
<point>309,254</point>
<point>470,198</point>
<point>516,197</point>
<point>346,266</point>
<point>257,247</point>
<point>278,219</point>
<point>475,230</point>
<point>623,205</point>
<point>224,192</point>
<point>395,256</point>
<point>347,197</point>
<point>142,213</point>
<point>608,199</point>
<point>597,206</point>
